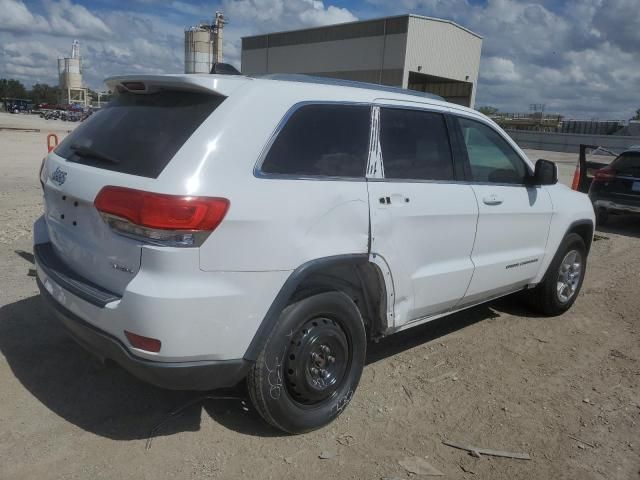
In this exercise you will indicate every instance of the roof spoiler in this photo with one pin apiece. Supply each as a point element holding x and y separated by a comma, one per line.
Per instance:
<point>142,84</point>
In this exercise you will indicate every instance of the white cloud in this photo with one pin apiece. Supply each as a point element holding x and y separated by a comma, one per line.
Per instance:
<point>74,20</point>
<point>319,15</point>
<point>618,21</point>
<point>15,16</point>
<point>272,15</point>
<point>199,12</point>
<point>498,69</point>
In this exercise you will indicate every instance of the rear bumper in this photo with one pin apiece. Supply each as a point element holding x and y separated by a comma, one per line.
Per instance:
<point>617,205</point>
<point>200,375</point>
<point>58,272</point>
<point>199,316</point>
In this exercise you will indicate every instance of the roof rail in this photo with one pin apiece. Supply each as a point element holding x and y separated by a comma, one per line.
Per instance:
<point>298,77</point>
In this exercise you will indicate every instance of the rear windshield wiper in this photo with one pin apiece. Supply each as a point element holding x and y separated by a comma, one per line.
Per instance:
<point>88,152</point>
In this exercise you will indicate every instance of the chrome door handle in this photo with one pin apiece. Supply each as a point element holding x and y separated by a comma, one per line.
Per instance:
<point>492,199</point>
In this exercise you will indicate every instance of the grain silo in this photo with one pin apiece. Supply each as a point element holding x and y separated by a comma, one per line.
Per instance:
<point>203,45</point>
<point>70,77</point>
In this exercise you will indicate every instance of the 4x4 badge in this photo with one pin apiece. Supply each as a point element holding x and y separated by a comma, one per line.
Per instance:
<point>120,268</point>
<point>59,176</point>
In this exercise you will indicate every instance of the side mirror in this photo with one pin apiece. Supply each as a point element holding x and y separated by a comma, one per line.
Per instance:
<point>546,173</point>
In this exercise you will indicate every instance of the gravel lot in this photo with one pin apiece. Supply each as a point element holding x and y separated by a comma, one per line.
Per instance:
<point>565,390</point>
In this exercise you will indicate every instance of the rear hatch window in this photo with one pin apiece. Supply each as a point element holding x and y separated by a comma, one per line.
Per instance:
<point>138,133</point>
<point>628,164</point>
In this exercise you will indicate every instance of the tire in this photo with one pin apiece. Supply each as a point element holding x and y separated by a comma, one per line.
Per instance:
<point>311,363</point>
<point>549,297</point>
<point>602,216</point>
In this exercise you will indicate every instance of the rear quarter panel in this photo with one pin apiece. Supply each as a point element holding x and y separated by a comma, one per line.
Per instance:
<point>272,223</point>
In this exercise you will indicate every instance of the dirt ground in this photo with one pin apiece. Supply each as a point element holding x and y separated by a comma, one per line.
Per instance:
<point>565,390</point>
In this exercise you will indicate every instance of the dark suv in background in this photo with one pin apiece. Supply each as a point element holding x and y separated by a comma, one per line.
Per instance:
<point>615,189</point>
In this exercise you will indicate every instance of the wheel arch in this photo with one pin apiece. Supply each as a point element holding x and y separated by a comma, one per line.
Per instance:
<point>352,274</point>
<point>585,229</point>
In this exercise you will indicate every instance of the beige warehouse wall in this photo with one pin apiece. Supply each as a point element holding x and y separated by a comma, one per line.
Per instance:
<point>444,50</point>
<point>367,53</point>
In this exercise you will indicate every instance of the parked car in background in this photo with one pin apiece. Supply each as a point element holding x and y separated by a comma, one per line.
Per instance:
<point>201,230</point>
<point>17,105</point>
<point>615,188</point>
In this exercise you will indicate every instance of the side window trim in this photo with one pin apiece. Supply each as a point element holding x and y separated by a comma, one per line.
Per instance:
<point>465,156</point>
<point>461,166</point>
<point>378,147</point>
<point>375,167</point>
<point>257,169</point>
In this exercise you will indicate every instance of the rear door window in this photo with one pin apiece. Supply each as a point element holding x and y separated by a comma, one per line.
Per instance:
<point>138,134</point>
<point>415,145</point>
<point>322,140</point>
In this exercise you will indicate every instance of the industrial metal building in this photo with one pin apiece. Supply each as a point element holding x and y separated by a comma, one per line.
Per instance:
<point>408,51</point>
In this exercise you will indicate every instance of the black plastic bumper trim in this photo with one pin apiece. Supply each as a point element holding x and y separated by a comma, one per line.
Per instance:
<point>49,261</point>
<point>201,375</point>
<point>621,200</point>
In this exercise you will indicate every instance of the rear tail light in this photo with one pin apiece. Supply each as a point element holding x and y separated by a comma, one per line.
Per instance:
<point>143,343</point>
<point>168,220</point>
<point>605,174</point>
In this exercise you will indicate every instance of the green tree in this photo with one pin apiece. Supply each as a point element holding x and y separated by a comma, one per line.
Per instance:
<point>488,111</point>
<point>44,93</point>
<point>637,117</point>
<point>10,88</point>
<point>92,95</point>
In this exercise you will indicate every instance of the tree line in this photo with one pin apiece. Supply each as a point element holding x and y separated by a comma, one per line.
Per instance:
<point>39,93</point>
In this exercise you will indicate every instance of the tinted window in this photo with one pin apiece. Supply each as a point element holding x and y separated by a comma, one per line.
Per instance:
<point>491,158</point>
<point>628,164</point>
<point>138,133</point>
<point>323,141</point>
<point>415,145</point>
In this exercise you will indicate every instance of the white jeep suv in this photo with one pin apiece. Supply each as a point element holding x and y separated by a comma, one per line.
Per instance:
<point>204,229</point>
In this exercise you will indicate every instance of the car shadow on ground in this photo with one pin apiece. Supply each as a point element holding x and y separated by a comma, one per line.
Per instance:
<point>436,329</point>
<point>109,402</point>
<point>425,333</point>
<point>102,399</point>
<point>627,225</point>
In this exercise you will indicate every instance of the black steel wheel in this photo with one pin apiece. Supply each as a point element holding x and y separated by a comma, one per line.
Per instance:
<point>316,361</point>
<point>310,366</point>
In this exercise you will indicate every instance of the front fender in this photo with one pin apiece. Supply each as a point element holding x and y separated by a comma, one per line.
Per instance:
<point>571,209</point>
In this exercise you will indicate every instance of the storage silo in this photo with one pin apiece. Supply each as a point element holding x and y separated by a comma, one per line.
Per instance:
<point>203,45</point>
<point>198,49</point>
<point>70,77</point>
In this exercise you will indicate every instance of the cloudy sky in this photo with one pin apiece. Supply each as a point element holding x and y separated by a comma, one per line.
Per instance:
<point>581,58</point>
